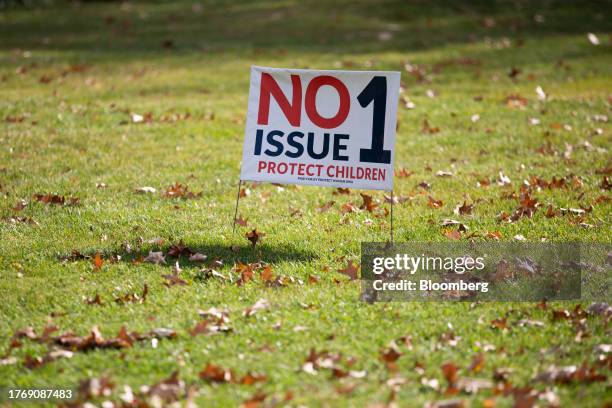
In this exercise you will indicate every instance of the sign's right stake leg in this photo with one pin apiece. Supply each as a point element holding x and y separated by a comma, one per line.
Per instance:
<point>392,200</point>
<point>236,210</point>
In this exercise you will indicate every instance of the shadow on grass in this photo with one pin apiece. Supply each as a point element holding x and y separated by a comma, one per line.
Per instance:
<point>247,254</point>
<point>228,255</point>
<point>110,31</point>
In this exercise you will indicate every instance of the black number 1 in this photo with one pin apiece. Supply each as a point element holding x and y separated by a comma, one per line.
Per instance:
<point>376,91</point>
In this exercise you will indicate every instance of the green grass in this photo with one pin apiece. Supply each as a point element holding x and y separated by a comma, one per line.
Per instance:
<point>76,132</point>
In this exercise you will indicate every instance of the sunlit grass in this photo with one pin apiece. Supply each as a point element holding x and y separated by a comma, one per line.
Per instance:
<point>77,132</point>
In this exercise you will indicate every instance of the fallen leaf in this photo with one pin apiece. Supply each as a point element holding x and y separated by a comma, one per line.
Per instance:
<point>449,338</point>
<point>246,273</point>
<point>131,297</point>
<point>295,212</point>
<point>603,349</point>
<point>341,191</point>
<point>503,180</point>
<point>155,257</point>
<point>600,308</point>
<point>178,190</point>
<point>569,374</point>
<point>178,250</point>
<point>95,387</point>
<point>496,235</point>
<point>255,401</point>
<point>473,385</point>
<point>325,207</point>
<point>368,202</point>
<point>453,235</point>
<point>449,371</point>
<point>163,333</point>
<point>346,389</point>
<point>502,374</point>
<point>254,236</point>
<point>464,209</point>
<point>145,190</point>
<point>514,72</point>
<point>349,208</point>
<point>593,39</point>
<point>214,373</point>
<point>424,185</point>
<point>452,403</point>
<point>477,363</point>
<point>403,173</point>
<point>390,354</point>
<point>96,300</point>
<point>27,332</point>
<point>20,205</point>
<point>351,270</point>
<point>56,199</point>
<point>432,383</point>
<point>427,129</point>
<point>551,212</point>
<point>167,391</point>
<point>8,361</point>
<point>501,323</point>
<point>516,102</point>
<point>95,340</point>
<point>211,325</point>
<point>22,220</point>
<point>318,360</point>
<point>529,323</point>
<point>261,304</point>
<point>197,257</point>
<point>241,221</point>
<point>433,203</point>
<point>97,261</point>
<point>173,278</point>
<point>252,378</point>
<point>266,274</point>
<point>14,119</point>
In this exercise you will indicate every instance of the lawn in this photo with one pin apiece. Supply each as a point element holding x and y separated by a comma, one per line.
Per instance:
<point>102,99</point>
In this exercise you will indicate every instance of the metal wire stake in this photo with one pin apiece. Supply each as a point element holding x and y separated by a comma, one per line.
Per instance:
<point>236,210</point>
<point>392,200</point>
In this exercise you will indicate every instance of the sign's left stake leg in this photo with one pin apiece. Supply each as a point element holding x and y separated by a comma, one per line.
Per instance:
<point>236,210</point>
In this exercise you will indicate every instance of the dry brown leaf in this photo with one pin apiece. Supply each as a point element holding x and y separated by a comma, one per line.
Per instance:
<point>254,236</point>
<point>351,270</point>
<point>97,261</point>
<point>325,207</point>
<point>261,304</point>
<point>241,221</point>
<point>433,203</point>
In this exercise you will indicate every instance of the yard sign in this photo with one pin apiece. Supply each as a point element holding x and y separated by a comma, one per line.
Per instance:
<point>324,128</point>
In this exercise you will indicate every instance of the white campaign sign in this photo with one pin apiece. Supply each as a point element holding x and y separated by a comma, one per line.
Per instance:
<point>324,128</point>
